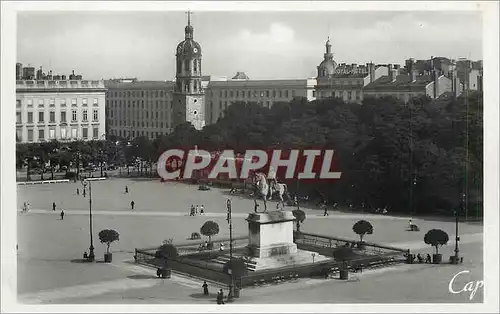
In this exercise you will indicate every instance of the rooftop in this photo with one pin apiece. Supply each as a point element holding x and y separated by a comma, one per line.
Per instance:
<point>401,83</point>
<point>138,85</point>
<point>263,83</point>
<point>31,85</point>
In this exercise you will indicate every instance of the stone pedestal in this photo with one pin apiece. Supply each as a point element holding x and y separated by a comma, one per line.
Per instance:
<point>271,234</point>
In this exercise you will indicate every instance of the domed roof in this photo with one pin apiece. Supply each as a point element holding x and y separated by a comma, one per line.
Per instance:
<point>326,67</point>
<point>240,76</point>
<point>189,47</point>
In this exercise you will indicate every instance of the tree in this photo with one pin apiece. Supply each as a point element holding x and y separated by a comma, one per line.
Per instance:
<point>166,251</point>
<point>209,229</point>
<point>436,238</point>
<point>361,228</point>
<point>238,267</point>
<point>300,217</point>
<point>108,236</point>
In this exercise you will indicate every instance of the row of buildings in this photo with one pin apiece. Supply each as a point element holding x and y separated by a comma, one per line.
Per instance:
<point>69,108</point>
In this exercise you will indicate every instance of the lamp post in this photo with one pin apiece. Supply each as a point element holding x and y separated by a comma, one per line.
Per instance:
<point>91,248</point>
<point>230,270</point>
<point>455,259</point>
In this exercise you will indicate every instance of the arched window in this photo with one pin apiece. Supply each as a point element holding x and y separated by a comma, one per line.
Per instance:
<point>195,65</point>
<point>186,65</point>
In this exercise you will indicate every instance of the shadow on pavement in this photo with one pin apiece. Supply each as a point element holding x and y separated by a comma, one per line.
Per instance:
<point>142,277</point>
<point>79,260</point>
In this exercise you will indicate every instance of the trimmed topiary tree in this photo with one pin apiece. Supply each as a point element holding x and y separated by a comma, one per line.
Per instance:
<point>108,236</point>
<point>209,229</point>
<point>361,228</point>
<point>436,238</point>
<point>300,217</point>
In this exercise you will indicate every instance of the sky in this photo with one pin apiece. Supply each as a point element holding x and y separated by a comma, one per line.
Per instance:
<point>264,45</point>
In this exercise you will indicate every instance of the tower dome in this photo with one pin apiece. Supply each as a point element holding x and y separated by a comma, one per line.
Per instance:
<point>189,47</point>
<point>328,65</point>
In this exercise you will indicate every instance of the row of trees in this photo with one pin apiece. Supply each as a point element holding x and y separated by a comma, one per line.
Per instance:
<point>419,157</point>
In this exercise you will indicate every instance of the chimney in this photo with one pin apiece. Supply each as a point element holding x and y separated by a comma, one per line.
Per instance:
<point>371,71</point>
<point>435,76</point>
<point>412,74</point>
<point>63,77</point>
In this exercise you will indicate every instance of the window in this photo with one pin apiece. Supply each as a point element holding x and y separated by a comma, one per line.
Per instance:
<point>40,103</point>
<point>95,115</point>
<point>30,117</point>
<point>30,103</point>
<point>41,116</point>
<point>96,102</point>
<point>41,134</point>
<point>85,133</point>
<point>52,117</point>
<point>18,103</point>
<point>349,95</point>
<point>52,134</point>
<point>195,66</point>
<point>63,116</point>
<point>95,132</point>
<point>225,93</point>
<point>85,115</point>
<point>74,133</point>
<point>73,115</point>
<point>63,102</point>
<point>63,132</point>
<point>314,93</point>
<point>267,93</point>
<point>286,93</point>
<point>186,65</point>
<point>73,102</point>
<point>84,102</point>
<point>142,94</point>
<point>18,117</point>
<point>19,135</point>
<point>30,135</point>
<point>52,102</point>
<point>231,94</point>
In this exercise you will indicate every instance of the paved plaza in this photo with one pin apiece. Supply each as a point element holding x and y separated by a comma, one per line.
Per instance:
<point>49,270</point>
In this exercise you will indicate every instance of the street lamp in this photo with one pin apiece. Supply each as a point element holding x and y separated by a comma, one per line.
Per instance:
<point>91,257</point>
<point>230,270</point>
<point>455,259</point>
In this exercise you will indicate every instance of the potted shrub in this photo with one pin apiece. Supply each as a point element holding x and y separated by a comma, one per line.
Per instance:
<point>300,217</point>
<point>436,238</point>
<point>361,228</point>
<point>163,254</point>
<point>209,229</point>
<point>108,236</point>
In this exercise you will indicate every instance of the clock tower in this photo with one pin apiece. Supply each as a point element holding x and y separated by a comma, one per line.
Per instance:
<point>189,96</point>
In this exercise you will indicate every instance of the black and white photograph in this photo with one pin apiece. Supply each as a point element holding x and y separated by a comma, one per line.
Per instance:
<point>224,156</point>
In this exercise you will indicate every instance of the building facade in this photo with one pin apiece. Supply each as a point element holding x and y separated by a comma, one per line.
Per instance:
<point>221,92</point>
<point>410,83</point>
<point>345,81</point>
<point>189,95</point>
<point>56,109</point>
<point>139,108</point>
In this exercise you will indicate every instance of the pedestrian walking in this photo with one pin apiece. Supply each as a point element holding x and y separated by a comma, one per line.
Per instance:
<point>205,288</point>
<point>410,224</point>
<point>126,189</point>
<point>25,207</point>
<point>196,210</point>
<point>84,192</point>
<point>220,297</point>
<point>77,191</point>
<point>62,214</point>
<point>54,206</point>
<point>202,210</point>
<point>326,212</point>
<point>132,204</point>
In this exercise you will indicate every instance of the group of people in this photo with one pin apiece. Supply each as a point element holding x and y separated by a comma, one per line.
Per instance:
<point>26,207</point>
<point>220,293</point>
<point>198,210</point>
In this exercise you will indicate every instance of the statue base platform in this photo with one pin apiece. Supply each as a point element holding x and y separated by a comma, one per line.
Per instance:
<point>271,234</point>
<point>299,257</point>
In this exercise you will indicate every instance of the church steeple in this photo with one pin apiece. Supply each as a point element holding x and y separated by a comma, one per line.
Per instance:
<point>189,29</point>
<point>328,53</point>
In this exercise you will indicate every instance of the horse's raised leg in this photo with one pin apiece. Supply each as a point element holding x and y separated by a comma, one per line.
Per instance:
<point>265,203</point>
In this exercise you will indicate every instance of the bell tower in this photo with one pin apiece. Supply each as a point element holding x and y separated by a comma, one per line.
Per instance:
<point>189,96</point>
